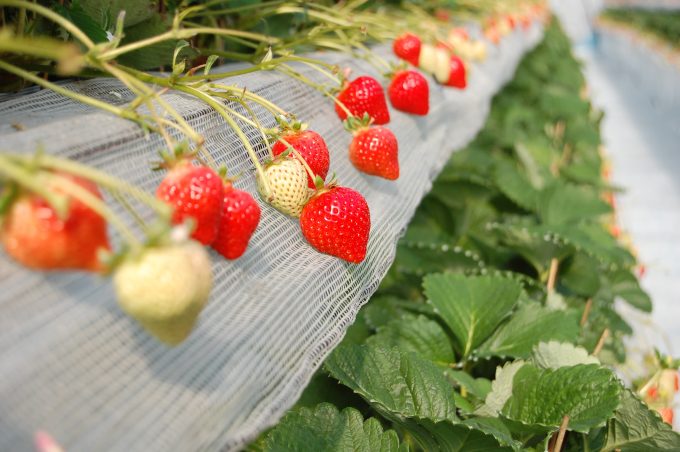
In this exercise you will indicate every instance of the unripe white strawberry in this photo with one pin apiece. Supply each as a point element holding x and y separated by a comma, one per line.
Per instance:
<point>478,50</point>
<point>427,61</point>
<point>288,191</point>
<point>165,288</point>
<point>443,65</point>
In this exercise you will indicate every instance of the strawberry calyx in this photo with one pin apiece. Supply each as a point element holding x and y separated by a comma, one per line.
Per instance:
<point>355,124</point>
<point>396,68</point>
<point>179,155</point>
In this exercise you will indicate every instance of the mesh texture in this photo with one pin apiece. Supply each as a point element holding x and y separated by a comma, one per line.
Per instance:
<point>73,364</point>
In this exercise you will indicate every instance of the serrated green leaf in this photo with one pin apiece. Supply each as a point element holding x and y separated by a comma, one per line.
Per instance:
<point>445,436</point>
<point>554,354</point>
<point>153,56</point>
<point>106,11</point>
<point>501,388</point>
<point>399,385</point>
<point>324,428</point>
<point>562,203</point>
<point>529,325</point>
<point>416,334</point>
<point>588,394</point>
<point>81,19</point>
<point>420,258</point>
<point>472,307</point>
<point>496,428</point>
<point>636,428</point>
<point>625,285</point>
<point>515,185</point>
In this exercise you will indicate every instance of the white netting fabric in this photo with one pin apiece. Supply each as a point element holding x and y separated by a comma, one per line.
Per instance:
<point>73,364</point>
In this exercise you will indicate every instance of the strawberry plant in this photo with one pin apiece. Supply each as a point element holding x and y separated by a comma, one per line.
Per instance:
<point>662,24</point>
<point>496,328</point>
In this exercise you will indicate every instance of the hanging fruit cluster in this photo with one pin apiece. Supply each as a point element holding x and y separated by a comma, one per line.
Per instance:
<point>54,216</point>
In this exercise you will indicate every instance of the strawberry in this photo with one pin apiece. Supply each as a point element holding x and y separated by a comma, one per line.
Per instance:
<point>240,217</point>
<point>407,47</point>
<point>311,146</point>
<point>337,221</point>
<point>427,61</point>
<point>364,95</point>
<point>457,73</point>
<point>374,150</point>
<point>287,180</point>
<point>194,192</point>
<point>410,92</point>
<point>666,414</point>
<point>165,288</point>
<point>35,236</point>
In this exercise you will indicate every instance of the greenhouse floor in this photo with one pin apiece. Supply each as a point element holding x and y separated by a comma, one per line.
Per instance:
<point>642,144</point>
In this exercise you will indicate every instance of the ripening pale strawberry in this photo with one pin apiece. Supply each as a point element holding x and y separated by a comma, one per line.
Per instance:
<point>240,217</point>
<point>165,288</point>
<point>428,58</point>
<point>34,235</point>
<point>407,47</point>
<point>375,151</point>
<point>364,95</point>
<point>337,221</point>
<point>457,73</point>
<point>287,180</point>
<point>193,192</point>
<point>311,147</point>
<point>410,92</point>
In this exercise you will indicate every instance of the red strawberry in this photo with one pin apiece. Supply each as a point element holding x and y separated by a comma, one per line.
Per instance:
<point>410,92</point>
<point>240,217</point>
<point>407,47</point>
<point>311,147</point>
<point>337,221</point>
<point>194,192</point>
<point>373,150</point>
<point>457,74</point>
<point>35,236</point>
<point>364,95</point>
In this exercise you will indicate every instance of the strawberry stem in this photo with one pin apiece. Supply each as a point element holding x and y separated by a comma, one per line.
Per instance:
<point>242,136</point>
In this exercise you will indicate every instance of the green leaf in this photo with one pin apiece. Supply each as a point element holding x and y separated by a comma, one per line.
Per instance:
<point>588,394</point>
<point>496,428</point>
<point>581,275</point>
<point>515,185</point>
<point>472,307</point>
<point>479,387</point>
<point>80,18</point>
<point>562,203</point>
<point>553,355</point>
<point>529,325</point>
<point>501,389</point>
<point>636,428</point>
<point>420,258</point>
<point>324,428</point>
<point>625,285</point>
<point>153,56</point>
<point>106,11</point>
<point>416,334</point>
<point>446,436</point>
<point>397,384</point>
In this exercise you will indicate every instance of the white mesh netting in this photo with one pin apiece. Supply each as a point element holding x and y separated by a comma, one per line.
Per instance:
<point>73,364</point>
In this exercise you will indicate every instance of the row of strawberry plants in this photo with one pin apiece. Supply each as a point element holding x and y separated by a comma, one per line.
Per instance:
<point>661,23</point>
<point>496,328</point>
